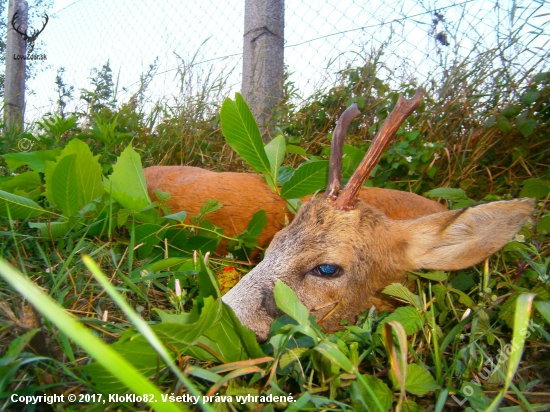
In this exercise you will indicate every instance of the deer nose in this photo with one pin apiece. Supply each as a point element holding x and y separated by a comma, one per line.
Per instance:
<point>253,316</point>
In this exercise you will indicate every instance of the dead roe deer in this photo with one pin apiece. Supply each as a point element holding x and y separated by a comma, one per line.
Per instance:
<point>341,250</point>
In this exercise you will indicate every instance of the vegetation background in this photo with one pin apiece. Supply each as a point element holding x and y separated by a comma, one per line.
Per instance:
<point>149,302</point>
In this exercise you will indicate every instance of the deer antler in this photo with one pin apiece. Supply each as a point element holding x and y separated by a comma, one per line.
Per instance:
<point>346,199</point>
<point>13,21</point>
<point>35,33</point>
<point>335,164</point>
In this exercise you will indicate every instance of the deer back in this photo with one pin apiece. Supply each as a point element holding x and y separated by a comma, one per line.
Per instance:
<point>243,194</point>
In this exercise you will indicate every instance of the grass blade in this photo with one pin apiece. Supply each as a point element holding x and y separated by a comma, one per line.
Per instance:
<point>521,321</point>
<point>141,326</point>
<point>101,352</point>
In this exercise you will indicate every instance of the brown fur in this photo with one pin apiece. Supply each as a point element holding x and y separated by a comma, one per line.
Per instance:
<point>243,194</point>
<point>373,251</point>
<point>387,233</point>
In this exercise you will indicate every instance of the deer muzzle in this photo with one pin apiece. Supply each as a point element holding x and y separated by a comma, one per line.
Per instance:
<point>253,302</point>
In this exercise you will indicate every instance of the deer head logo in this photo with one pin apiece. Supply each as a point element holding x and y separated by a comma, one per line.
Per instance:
<point>339,252</point>
<point>32,38</point>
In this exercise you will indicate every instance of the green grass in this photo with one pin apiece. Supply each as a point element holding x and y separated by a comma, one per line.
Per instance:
<point>118,324</point>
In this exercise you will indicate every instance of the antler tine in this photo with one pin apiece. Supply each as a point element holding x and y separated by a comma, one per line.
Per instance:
<point>13,22</point>
<point>336,149</point>
<point>403,108</point>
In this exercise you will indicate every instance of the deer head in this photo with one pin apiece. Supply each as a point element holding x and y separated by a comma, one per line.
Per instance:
<point>339,252</point>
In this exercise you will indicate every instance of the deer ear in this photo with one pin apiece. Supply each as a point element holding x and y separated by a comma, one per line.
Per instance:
<point>462,238</point>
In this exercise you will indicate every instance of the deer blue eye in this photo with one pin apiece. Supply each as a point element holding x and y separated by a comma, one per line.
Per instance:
<point>328,270</point>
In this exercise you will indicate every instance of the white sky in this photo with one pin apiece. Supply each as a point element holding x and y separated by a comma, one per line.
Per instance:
<point>84,34</point>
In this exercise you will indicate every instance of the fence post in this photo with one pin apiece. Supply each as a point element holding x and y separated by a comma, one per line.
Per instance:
<point>14,80</point>
<point>263,59</point>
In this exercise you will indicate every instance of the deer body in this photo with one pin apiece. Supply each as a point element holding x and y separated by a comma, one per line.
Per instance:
<point>243,194</point>
<point>341,250</point>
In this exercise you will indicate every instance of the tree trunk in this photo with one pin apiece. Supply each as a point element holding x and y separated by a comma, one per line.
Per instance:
<point>263,59</point>
<point>14,81</point>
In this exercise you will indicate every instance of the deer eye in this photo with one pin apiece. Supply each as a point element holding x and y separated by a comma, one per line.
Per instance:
<point>326,270</point>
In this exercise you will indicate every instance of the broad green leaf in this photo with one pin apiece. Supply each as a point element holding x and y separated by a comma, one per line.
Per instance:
<point>26,184</point>
<point>19,344</point>
<point>201,373</point>
<point>149,234</point>
<point>307,179</point>
<point>87,170</point>
<point>19,207</point>
<point>163,264</point>
<point>229,339</point>
<point>527,127</point>
<point>536,188</point>
<point>162,196</point>
<point>257,223</point>
<point>64,186</point>
<point>530,96</point>
<point>541,77</point>
<point>409,317</point>
<point>401,292</point>
<point>543,227</point>
<point>411,406</point>
<point>176,238</point>
<point>178,217</point>
<point>285,173</point>
<point>288,302</point>
<point>503,124</point>
<point>293,149</point>
<point>202,244</point>
<point>57,126</point>
<point>208,283</point>
<point>458,197</point>
<point>35,160</point>
<point>463,282</point>
<point>127,182</point>
<point>275,151</point>
<point>380,390</point>
<point>331,351</point>
<point>11,361</point>
<point>473,392</point>
<point>512,111</point>
<point>419,381</point>
<point>435,275</point>
<point>51,230</point>
<point>210,206</point>
<point>463,298</point>
<point>447,193</point>
<point>293,355</point>
<point>48,173</point>
<point>104,354</point>
<point>242,134</point>
<point>355,156</point>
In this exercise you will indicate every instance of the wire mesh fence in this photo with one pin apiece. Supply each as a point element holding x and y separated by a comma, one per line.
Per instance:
<point>178,46</point>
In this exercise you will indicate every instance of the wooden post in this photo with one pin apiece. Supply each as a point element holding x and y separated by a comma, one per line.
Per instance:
<point>263,59</point>
<point>14,81</point>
